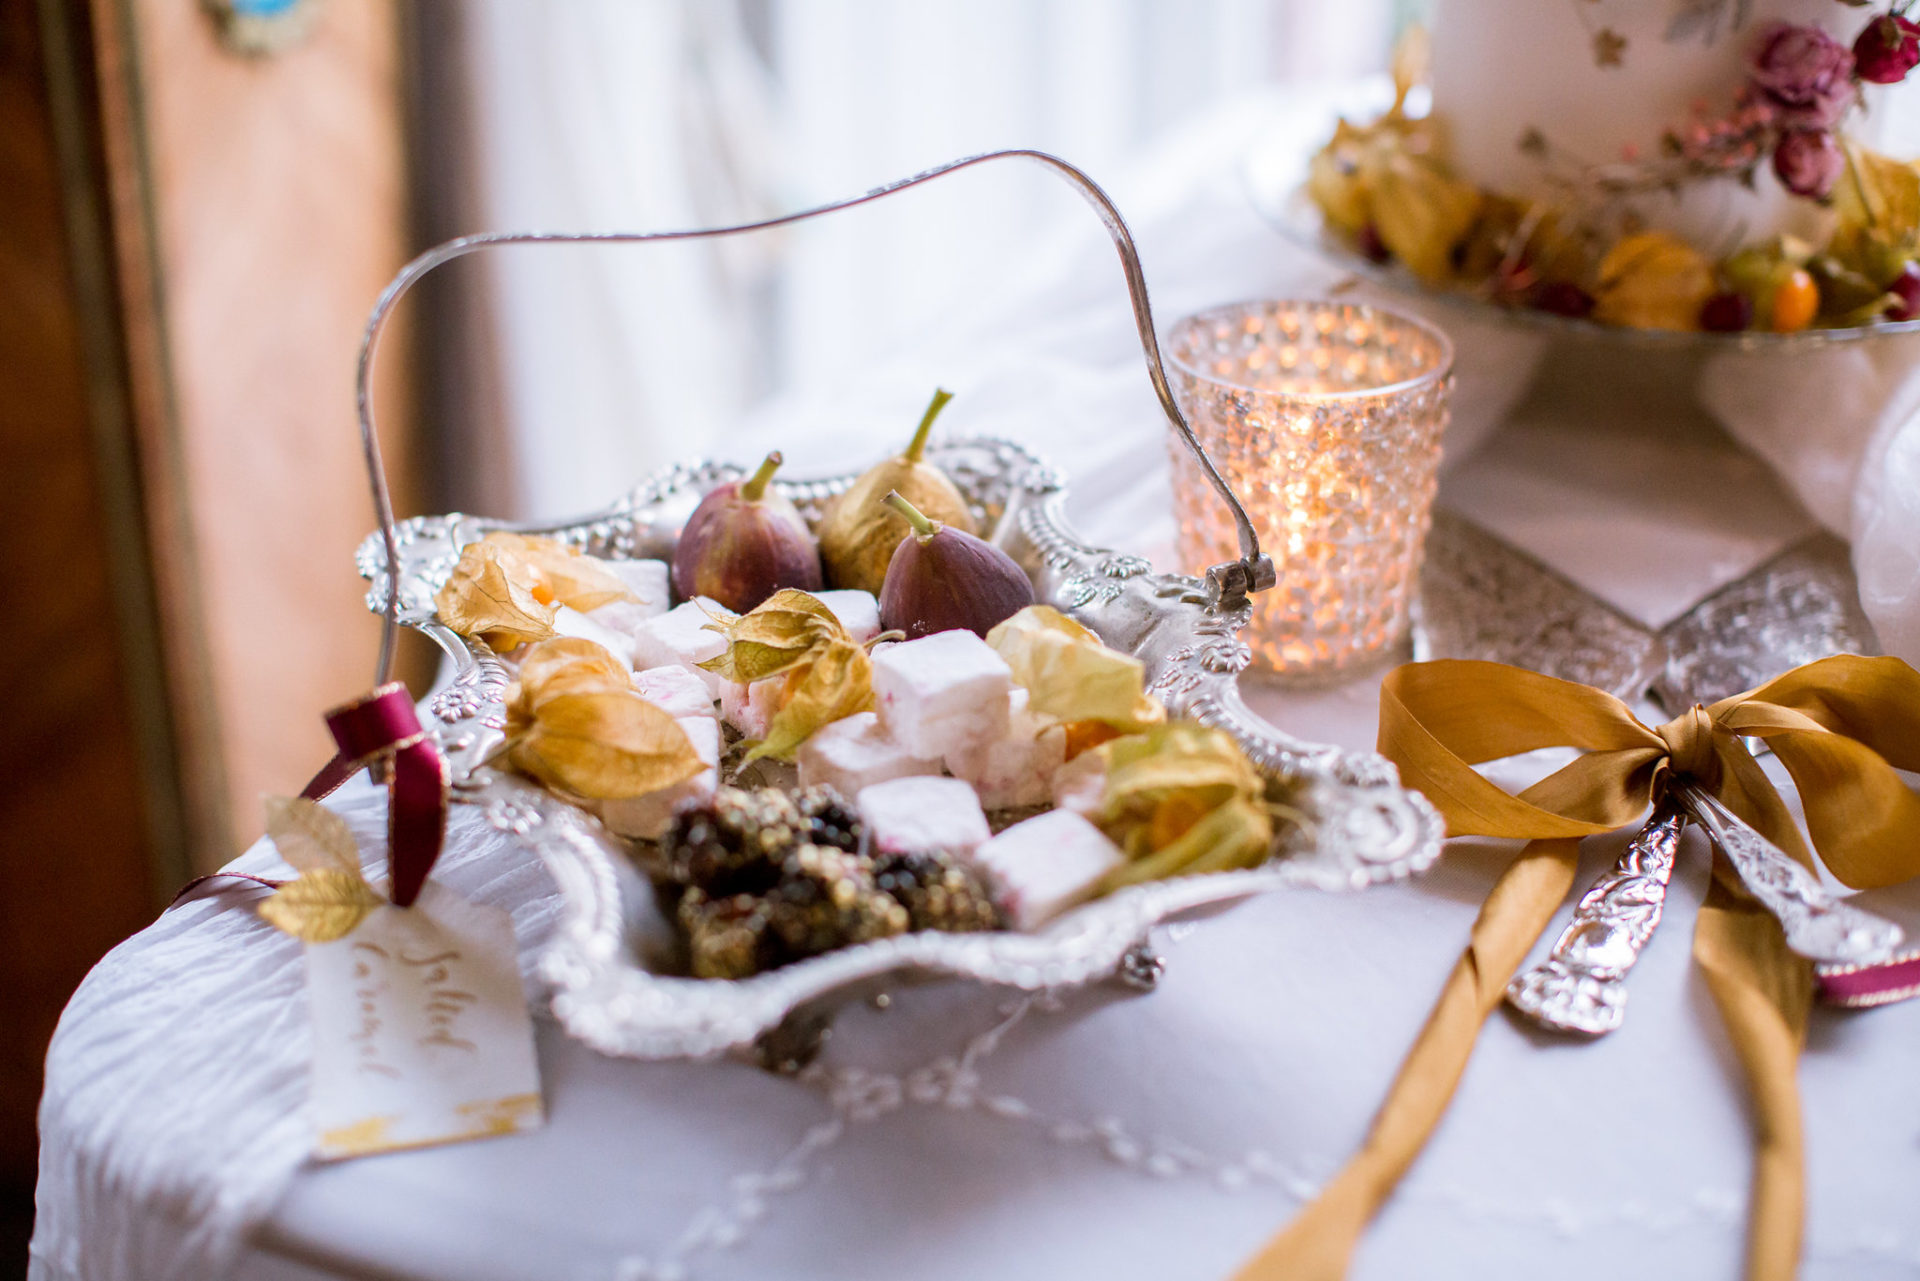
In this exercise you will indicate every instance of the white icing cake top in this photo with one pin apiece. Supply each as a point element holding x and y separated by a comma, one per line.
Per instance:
<point>1602,80</point>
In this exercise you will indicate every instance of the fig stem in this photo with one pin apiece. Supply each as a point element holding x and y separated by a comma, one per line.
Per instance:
<point>922,527</point>
<point>756,485</point>
<point>918,445</point>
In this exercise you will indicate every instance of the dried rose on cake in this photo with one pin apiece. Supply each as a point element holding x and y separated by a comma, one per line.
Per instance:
<point>1578,234</point>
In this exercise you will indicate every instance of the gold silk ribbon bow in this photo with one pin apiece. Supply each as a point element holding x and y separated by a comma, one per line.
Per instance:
<point>1840,726</point>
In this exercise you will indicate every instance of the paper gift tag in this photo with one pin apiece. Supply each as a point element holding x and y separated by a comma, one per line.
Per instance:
<point>420,1030</point>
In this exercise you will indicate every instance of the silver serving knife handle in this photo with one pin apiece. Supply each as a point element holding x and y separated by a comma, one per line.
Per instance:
<point>1819,925</point>
<point>1582,985</point>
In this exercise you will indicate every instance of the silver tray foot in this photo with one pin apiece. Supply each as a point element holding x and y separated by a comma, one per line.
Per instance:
<point>795,1042</point>
<point>1141,967</point>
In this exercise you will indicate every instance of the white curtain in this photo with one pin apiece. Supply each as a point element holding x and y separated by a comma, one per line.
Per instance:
<point>580,370</point>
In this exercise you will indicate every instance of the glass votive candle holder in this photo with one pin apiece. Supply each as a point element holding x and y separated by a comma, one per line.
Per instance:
<point>1325,418</point>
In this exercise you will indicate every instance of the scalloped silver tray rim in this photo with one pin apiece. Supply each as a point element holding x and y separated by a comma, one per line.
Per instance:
<point>1366,828</point>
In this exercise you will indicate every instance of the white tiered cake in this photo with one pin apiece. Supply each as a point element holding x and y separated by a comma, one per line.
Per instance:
<point>1601,82</point>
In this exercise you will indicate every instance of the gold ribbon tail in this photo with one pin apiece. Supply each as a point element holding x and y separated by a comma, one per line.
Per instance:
<point>1763,992</point>
<point>1319,1243</point>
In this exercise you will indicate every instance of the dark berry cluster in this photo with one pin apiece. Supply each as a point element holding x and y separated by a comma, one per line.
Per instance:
<point>762,878</point>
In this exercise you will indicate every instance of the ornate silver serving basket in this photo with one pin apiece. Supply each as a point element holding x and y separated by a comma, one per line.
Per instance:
<point>610,956</point>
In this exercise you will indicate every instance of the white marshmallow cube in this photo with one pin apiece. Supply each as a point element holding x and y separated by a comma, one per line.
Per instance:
<point>678,691</point>
<point>647,580</point>
<point>678,638</point>
<point>1080,785</point>
<point>1043,866</point>
<point>571,622</point>
<point>751,708</point>
<point>858,612</point>
<point>854,753</point>
<point>1018,769</point>
<point>908,815</point>
<point>945,694</point>
<point>647,817</point>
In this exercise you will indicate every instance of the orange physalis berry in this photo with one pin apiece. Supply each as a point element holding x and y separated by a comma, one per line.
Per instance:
<point>1795,302</point>
<point>1171,819</point>
<point>1084,736</point>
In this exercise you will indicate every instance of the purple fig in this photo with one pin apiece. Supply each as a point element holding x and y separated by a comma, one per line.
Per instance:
<point>943,579</point>
<point>743,543</point>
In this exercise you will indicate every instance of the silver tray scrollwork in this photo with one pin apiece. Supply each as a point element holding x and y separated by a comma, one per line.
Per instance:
<point>610,958</point>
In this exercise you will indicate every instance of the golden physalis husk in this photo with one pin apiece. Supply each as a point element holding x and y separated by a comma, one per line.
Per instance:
<point>1180,799</point>
<point>780,632</point>
<point>563,665</point>
<point>1070,675</point>
<point>1334,182</point>
<point>490,596</point>
<point>331,897</point>
<point>1510,233</point>
<point>1419,210</point>
<point>825,675</point>
<point>833,683</point>
<point>1391,175</point>
<point>1411,63</point>
<point>604,745</point>
<point>575,722</point>
<point>1235,834</point>
<point>1876,205</point>
<point>1652,280</point>
<point>564,575</point>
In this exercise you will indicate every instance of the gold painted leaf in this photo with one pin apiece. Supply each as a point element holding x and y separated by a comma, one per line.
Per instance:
<point>1070,675</point>
<point>780,633</point>
<point>310,836</point>
<point>490,595</point>
<point>1652,280</point>
<point>324,904</point>
<point>565,575</point>
<point>603,745</point>
<point>835,683</point>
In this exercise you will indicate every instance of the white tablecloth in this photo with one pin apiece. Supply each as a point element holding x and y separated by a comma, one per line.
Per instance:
<point>962,1133</point>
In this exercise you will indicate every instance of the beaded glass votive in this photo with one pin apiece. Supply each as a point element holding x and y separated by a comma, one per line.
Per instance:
<point>1325,418</point>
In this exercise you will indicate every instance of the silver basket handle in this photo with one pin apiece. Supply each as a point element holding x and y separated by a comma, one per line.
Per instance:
<point>1228,584</point>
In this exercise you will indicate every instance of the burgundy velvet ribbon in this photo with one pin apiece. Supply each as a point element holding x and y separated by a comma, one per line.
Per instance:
<point>381,731</point>
<point>1859,986</point>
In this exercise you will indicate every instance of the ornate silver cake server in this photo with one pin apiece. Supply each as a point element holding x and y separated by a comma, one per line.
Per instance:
<point>1484,598</point>
<point>1581,986</point>
<point>1819,925</point>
